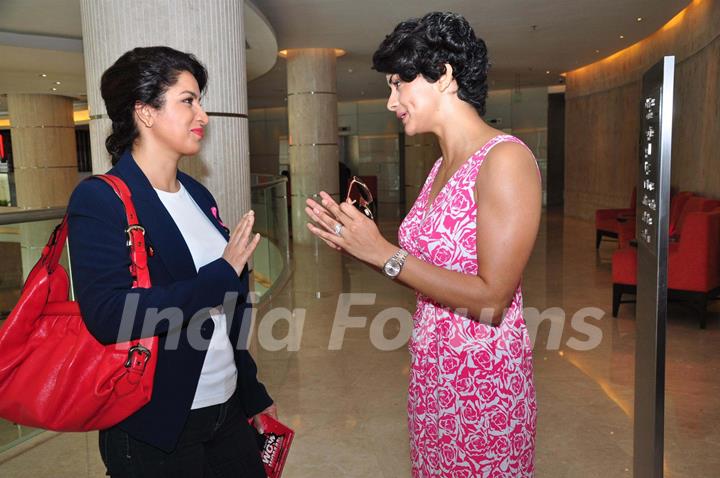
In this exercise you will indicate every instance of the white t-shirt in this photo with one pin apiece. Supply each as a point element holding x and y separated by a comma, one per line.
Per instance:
<point>218,378</point>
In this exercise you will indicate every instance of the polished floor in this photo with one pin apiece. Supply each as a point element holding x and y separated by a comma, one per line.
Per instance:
<point>342,384</point>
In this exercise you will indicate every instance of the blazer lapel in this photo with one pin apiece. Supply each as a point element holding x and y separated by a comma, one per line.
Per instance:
<point>203,200</point>
<point>163,234</point>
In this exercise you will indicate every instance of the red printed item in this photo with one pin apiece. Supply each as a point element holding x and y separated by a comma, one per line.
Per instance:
<point>274,445</point>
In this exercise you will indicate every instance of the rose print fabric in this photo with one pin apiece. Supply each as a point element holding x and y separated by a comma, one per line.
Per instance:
<point>471,397</point>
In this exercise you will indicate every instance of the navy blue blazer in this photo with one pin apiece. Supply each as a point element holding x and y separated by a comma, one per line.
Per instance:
<point>102,281</point>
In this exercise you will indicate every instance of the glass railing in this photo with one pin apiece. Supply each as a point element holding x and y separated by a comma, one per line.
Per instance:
<point>272,257</point>
<point>23,233</point>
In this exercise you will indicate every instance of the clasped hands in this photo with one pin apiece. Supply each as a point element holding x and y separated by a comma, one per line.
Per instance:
<point>344,228</point>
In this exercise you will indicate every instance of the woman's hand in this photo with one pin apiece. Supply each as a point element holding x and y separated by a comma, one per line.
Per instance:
<point>241,246</point>
<point>358,236</point>
<point>271,410</point>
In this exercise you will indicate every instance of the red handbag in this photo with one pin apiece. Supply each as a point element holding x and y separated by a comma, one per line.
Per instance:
<point>53,373</point>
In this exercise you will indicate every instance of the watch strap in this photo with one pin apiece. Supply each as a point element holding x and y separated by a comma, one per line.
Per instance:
<point>400,256</point>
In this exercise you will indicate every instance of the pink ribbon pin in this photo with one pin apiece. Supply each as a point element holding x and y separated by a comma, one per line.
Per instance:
<point>214,212</point>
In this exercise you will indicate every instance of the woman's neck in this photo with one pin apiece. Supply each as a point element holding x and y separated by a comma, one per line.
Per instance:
<point>160,167</point>
<point>462,134</point>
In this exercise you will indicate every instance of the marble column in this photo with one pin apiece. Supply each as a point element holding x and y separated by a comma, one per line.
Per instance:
<point>312,131</point>
<point>45,163</point>
<point>214,32</point>
<point>44,151</point>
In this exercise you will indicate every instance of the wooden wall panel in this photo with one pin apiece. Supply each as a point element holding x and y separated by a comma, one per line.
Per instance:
<point>601,144</point>
<point>696,125</point>
<point>602,115</point>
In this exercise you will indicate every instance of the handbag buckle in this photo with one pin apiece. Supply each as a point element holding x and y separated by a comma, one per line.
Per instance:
<point>131,228</point>
<point>135,350</point>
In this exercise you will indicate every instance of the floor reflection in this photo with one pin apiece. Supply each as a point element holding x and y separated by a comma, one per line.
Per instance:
<point>348,405</point>
<point>347,402</point>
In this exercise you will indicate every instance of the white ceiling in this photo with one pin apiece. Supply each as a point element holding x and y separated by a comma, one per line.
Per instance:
<point>44,37</point>
<point>565,36</point>
<point>59,18</point>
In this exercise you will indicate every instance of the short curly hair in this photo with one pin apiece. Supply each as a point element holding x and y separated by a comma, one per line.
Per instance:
<point>422,46</point>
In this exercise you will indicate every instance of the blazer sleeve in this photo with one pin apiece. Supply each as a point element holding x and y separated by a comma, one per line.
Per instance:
<point>253,394</point>
<point>103,283</point>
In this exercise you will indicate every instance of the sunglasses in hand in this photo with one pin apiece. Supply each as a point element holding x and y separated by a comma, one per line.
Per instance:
<point>359,196</point>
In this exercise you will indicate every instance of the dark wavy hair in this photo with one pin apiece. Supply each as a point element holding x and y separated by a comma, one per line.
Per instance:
<point>422,46</point>
<point>141,75</point>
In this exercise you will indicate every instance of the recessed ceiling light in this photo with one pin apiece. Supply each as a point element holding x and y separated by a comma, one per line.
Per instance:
<point>44,75</point>
<point>350,70</point>
<point>57,82</point>
<point>597,51</point>
<point>639,19</point>
<point>547,72</point>
<point>54,89</point>
<point>622,36</point>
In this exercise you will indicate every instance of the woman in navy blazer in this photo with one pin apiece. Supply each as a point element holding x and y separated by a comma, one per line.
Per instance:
<point>152,96</point>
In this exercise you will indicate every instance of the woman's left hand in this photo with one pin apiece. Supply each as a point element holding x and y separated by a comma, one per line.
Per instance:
<point>343,227</point>
<point>271,410</point>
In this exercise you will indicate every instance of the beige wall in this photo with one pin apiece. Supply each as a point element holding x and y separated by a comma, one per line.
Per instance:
<point>522,112</point>
<point>602,114</point>
<point>372,143</point>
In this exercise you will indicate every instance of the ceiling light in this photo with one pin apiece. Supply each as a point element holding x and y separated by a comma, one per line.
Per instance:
<point>597,51</point>
<point>54,89</point>
<point>622,36</point>
<point>547,72</point>
<point>57,82</point>
<point>639,19</point>
<point>44,75</point>
<point>350,70</point>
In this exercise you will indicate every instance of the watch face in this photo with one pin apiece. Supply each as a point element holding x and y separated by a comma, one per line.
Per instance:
<point>392,268</point>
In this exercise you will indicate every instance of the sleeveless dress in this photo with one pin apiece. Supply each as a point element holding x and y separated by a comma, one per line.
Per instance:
<point>471,397</point>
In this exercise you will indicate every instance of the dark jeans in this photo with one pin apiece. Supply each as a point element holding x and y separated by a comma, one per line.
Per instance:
<point>217,442</point>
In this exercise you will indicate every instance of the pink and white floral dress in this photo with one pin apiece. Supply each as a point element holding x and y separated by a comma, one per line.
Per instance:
<point>471,397</point>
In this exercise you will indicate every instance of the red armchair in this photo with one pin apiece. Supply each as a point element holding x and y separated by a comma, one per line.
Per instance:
<point>693,262</point>
<point>606,220</point>
<point>626,227</point>
<point>692,204</point>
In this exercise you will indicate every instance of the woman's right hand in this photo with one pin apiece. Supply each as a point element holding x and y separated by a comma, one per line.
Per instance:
<point>241,245</point>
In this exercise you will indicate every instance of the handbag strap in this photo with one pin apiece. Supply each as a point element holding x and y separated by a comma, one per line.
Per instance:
<point>135,235</point>
<point>134,231</point>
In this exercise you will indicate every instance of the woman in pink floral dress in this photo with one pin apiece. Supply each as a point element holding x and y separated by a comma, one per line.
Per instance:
<point>463,248</point>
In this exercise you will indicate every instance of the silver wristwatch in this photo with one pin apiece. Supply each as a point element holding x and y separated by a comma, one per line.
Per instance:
<point>394,265</point>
